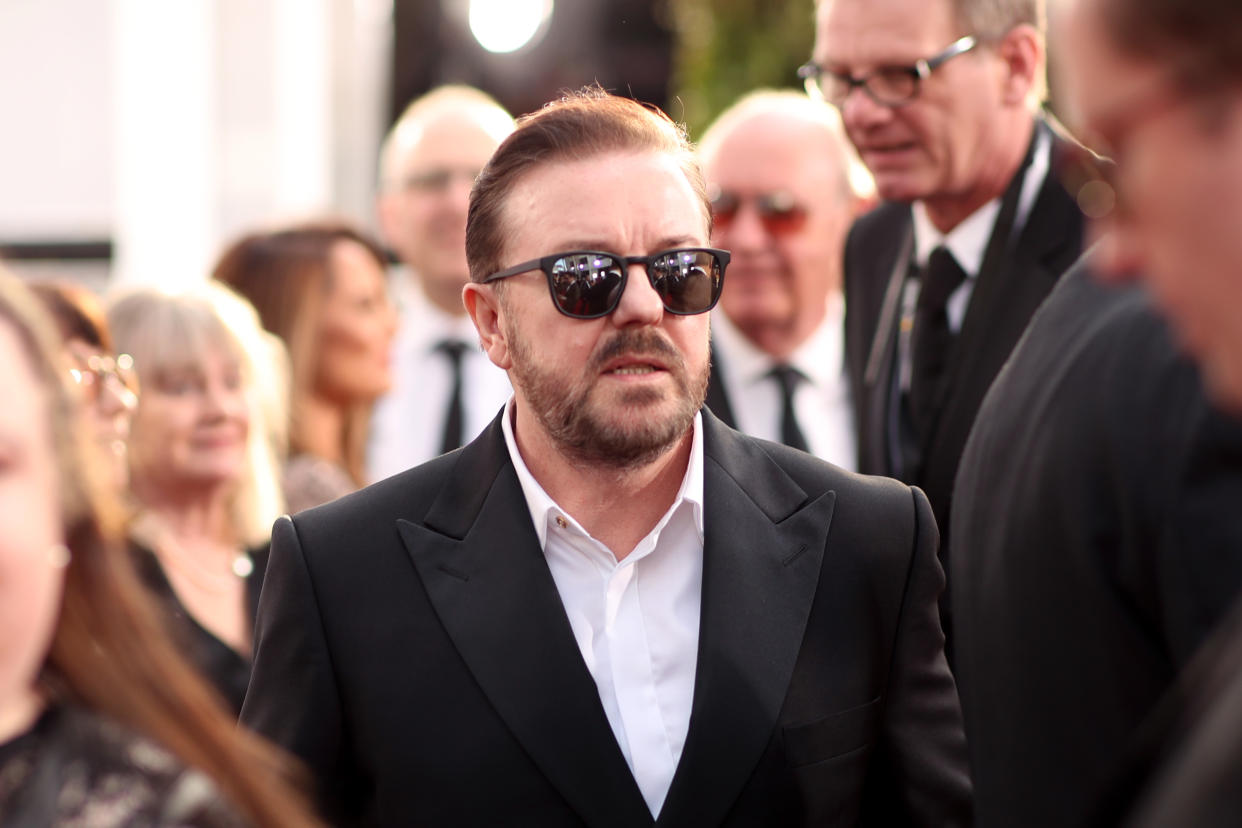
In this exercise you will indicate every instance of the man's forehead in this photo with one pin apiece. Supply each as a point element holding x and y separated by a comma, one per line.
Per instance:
<point>451,138</point>
<point>876,32</point>
<point>598,186</point>
<point>776,151</point>
<point>1096,74</point>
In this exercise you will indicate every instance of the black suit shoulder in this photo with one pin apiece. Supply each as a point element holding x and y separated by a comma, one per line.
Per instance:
<point>1094,545</point>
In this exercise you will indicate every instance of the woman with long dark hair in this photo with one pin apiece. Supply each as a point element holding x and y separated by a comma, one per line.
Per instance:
<point>320,287</point>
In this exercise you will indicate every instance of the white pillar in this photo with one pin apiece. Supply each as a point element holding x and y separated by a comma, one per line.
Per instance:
<point>165,139</point>
<point>302,115</point>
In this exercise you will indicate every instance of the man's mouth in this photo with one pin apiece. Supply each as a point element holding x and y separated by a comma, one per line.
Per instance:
<point>881,149</point>
<point>634,369</point>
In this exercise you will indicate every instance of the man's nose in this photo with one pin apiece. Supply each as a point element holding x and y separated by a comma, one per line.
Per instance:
<point>860,111</point>
<point>746,231</point>
<point>639,304</point>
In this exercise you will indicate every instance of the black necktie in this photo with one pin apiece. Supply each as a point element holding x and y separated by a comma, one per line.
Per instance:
<point>931,339</point>
<point>788,378</point>
<point>453,349</point>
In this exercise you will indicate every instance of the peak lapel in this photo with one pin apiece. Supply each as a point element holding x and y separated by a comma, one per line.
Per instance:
<point>764,544</point>
<point>479,560</point>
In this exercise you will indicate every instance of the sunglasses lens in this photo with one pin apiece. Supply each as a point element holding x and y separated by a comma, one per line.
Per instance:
<point>724,209</point>
<point>688,281</point>
<point>778,212</point>
<point>587,285</point>
<point>780,215</point>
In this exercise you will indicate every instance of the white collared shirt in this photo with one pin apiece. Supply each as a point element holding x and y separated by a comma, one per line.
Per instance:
<point>636,621</point>
<point>407,426</point>
<point>821,403</point>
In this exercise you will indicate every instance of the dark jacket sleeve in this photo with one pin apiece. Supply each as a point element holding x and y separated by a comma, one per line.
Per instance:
<point>292,699</point>
<point>921,774</point>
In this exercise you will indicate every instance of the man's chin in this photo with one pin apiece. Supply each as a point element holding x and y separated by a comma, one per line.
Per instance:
<point>630,431</point>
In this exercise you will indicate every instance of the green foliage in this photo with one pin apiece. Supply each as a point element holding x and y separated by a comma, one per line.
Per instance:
<point>726,48</point>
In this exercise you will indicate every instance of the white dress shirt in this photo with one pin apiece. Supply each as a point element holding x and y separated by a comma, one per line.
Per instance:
<point>407,426</point>
<point>636,621</point>
<point>821,403</point>
<point>968,241</point>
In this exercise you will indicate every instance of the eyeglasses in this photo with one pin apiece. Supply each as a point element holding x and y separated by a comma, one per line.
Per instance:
<point>587,284</point>
<point>778,212</point>
<point>890,86</point>
<point>104,371</point>
<point>437,180</point>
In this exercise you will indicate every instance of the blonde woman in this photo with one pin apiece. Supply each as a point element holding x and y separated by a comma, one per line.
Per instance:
<point>202,465</point>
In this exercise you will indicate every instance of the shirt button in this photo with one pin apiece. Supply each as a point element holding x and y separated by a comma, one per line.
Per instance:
<point>561,522</point>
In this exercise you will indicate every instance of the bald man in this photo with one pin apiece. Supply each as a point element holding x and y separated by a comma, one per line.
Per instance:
<point>785,187</point>
<point>445,391</point>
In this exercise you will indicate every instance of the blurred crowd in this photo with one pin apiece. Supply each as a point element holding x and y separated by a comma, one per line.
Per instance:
<point>1036,321</point>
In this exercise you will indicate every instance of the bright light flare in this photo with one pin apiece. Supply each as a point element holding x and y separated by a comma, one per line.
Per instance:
<point>503,26</point>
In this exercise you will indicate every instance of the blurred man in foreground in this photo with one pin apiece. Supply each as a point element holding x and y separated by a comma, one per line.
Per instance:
<point>1156,85</point>
<point>785,186</point>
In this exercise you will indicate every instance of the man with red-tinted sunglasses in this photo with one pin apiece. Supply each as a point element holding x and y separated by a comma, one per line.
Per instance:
<point>785,187</point>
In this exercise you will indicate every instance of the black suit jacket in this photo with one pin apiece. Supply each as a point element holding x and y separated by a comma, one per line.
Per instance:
<point>876,254</point>
<point>717,398</point>
<point>413,650</point>
<point>1097,538</point>
<point>1186,773</point>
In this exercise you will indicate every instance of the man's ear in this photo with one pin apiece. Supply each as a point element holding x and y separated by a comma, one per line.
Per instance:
<point>1022,52</point>
<point>485,310</point>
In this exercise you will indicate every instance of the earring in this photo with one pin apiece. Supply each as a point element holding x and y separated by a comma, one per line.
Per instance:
<point>58,556</point>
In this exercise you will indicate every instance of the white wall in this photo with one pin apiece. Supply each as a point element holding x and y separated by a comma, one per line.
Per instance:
<point>170,126</point>
<point>56,132</point>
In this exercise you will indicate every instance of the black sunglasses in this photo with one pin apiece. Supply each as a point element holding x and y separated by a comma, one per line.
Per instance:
<point>587,284</point>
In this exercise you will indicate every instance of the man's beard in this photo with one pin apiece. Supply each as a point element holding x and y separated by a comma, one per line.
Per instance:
<point>581,426</point>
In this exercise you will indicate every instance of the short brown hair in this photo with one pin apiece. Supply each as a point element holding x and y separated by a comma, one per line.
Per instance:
<point>1202,37</point>
<point>581,125</point>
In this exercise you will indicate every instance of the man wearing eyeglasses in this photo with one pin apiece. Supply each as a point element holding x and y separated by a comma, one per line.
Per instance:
<point>939,97</point>
<point>610,608</point>
<point>785,187</point>
<point>1157,87</point>
<point>444,390</point>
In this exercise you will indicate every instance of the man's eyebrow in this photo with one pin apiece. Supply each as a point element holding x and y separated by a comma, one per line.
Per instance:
<point>607,247</point>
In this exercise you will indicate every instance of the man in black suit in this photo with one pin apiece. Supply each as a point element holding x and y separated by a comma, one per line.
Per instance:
<point>1157,86</point>
<point>610,609</point>
<point>1097,541</point>
<point>939,97</point>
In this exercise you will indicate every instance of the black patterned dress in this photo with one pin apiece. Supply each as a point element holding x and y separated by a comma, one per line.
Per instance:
<point>75,769</point>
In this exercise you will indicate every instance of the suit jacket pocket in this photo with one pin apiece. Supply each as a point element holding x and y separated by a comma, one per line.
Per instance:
<point>831,736</point>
